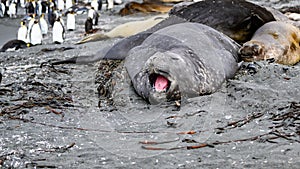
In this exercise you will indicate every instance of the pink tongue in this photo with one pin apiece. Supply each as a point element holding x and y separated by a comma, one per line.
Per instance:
<point>161,83</point>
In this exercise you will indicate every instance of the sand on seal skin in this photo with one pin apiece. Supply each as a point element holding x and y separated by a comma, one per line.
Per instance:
<point>50,118</point>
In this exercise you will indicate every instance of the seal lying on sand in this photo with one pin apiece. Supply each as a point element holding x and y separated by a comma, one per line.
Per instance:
<point>126,29</point>
<point>274,40</point>
<point>242,20</point>
<point>13,45</point>
<point>145,7</point>
<point>181,61</point>
<point>236,18</point>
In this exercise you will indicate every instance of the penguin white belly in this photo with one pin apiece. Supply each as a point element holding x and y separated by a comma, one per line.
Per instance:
<point>44,26</point>
<point>12,9</point>
<point>110,4</point>
<point>3,8</point>
<point>91,13</point>
<point>30,24</point>
<point>36,35</point>
<point>69,4</point>
<point>22,34</point>
<point>71,21</point>
<point>94,4</point>
<point>60,5</point>
<point>58,33</point>
<point>22,3</point>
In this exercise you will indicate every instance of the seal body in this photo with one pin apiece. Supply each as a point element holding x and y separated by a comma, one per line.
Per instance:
<point>181,61</point>
<point>126,29</point>
<point>237,19</point>
<point>145,7</point>
<point>13,45</point>
<point>274,40</point>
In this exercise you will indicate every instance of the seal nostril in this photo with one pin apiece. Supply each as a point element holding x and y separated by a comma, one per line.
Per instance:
<point>256,49</point>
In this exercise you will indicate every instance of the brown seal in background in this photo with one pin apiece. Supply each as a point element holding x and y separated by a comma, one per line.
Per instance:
<point>275,40</point>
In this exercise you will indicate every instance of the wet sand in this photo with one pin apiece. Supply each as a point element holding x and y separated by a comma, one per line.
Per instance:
<point>50,118</point>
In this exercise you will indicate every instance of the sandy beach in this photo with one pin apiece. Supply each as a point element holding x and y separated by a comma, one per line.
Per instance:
<point>55,118</point>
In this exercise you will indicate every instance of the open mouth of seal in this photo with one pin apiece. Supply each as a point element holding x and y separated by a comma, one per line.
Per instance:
<point>159,82</point>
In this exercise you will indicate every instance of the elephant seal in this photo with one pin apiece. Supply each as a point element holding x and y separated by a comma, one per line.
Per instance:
<point>176,62</point>
<point>126,29</point>
<point>238,19</point>
<point>181,61</point>
<point>274,40</point>
<point>145,7</point>
<point>13,45</point>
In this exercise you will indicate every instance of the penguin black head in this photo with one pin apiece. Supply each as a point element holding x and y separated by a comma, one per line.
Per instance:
<point>23,22</point>
<point>58,19</point>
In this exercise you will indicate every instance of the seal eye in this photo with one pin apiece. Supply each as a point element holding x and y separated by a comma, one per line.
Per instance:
<point>159,82</point>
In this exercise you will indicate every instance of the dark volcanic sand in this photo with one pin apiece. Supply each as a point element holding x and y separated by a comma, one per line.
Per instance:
<point>50,117</point>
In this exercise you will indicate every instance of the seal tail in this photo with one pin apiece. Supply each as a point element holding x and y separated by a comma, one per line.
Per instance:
<point>92,38</point>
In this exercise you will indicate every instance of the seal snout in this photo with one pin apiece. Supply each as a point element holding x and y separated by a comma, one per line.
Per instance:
<point>250,51</point>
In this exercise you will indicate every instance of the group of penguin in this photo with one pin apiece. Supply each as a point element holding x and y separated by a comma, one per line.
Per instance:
<point>37,27</point>
<point>34,27</point>
<point>9,8</point>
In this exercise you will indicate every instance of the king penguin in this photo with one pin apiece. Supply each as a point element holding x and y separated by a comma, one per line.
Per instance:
<point>43,25</point>
<point>35,33</point>
<point>71,21</point>
<point>22,32</point>
<point>58,32</point>
<point>88,25</point>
